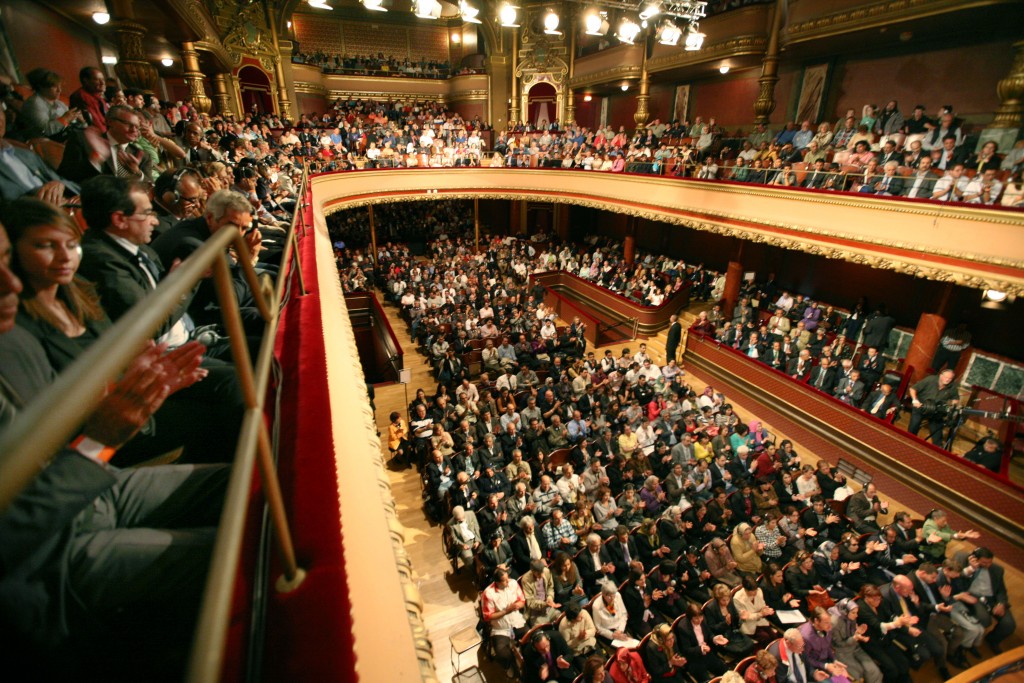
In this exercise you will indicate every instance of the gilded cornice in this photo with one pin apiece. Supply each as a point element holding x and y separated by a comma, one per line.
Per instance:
<point>194,13</point>
<point>310,88</point>
<point>381,94</point>
<point>468,96</point>
<point>847,246</point>
<point>877,14</point>
<point>381,80</point>
<point>616,73</point>
<point>734,47</point>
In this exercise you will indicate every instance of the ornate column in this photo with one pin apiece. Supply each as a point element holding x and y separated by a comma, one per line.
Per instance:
<point>220,94</point>
<point>570,94</point>
<point>1011,92</point>
<point>283,103</point>
<point>194,78</point>
<point>513,110</point>
<point>133,68</point>
<point>642,97</point>
<point>764,105</point>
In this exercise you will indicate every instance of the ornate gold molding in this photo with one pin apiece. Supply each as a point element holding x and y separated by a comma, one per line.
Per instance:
<point>615,73</point>
<point>735,47</point>
<point>878,14</point>
<point>310,88</point>
<point>381,94</point>
<point>715,222</point>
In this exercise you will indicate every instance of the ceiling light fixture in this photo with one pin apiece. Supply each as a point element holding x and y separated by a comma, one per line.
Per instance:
<point>652,9</point>
<point>587,98</point>
<point>551,24</point>
<point>375,5</point>
<point>724,69</point>
<point>109,59</point>
<point>456,38</point>
<point>694,38</point>
<point>320,4</point>
<point>100,17</point>
<point>468,13</point>
<point>625,87</point>
<point>167,61</point>
<point>507,16</point>
<point>995,295</point>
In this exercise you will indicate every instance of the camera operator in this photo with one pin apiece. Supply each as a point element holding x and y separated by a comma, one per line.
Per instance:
<point>932,397</point>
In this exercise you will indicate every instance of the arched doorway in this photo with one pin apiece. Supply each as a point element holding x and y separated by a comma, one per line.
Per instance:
<point>254,87</point>
<point>542,104</point>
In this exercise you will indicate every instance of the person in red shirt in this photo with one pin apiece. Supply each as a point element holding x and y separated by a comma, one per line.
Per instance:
<point>89,98</point>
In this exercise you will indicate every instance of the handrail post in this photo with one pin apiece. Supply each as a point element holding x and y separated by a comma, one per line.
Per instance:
<point>243,366</point>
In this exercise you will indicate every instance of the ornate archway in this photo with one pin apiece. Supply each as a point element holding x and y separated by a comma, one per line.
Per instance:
<point>543,103</point>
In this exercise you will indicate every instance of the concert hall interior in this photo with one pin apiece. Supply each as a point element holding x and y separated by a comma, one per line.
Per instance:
<point>495,340</point>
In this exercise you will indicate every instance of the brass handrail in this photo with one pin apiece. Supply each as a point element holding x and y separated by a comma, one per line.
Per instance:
<point>52,418</point>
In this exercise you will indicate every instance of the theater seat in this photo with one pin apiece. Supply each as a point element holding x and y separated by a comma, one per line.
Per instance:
<point>51,152</point>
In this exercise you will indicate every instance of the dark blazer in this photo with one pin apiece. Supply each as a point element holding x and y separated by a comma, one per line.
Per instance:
<point>193,156</point>
<point>633,599</point>
<point>924,190</point>
<point>895,186</point>
<point>995,573</point>
<point>34,585</point>
<point>675,334</point>
<point>856,391</point>
<point>890,402</point>
<point>828,382</point>
<point>119,277</point>
<point>792,368</point>
<point>532,661</point>
<point>11,187</point>
<point>589,573</point>
<point>61,349</point>
<point>76,166</point>
<point>876,331</point>
<point>618,558</point>
<point>521,551</point>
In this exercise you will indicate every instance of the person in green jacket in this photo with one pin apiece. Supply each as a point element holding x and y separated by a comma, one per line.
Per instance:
<point>937,533</point>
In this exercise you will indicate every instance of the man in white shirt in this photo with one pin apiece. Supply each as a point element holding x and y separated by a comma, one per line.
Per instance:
<point>502,605</point>
<point>952,186</point>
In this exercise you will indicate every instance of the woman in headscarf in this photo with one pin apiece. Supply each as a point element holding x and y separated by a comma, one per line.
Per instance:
<point>663,662</point>
<point>847,636</point>
<point>832,574</point>
<point>648,541</point>
<point>628,667</point>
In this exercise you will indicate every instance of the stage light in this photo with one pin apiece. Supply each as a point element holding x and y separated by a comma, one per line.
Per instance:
<point>320,4</point>
<point>468,13</point>
<point>507,16</point>
<point>628,31</point>
<point>167,61</point>
<point>669,33</point>
<point>652,9</point>
<point>551,24</point>
<point>375,5</point>
<point>694,38</point>
<point>100,17</point>
<point>427,9</point>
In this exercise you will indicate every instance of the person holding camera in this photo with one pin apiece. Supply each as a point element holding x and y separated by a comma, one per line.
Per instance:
<point>932,397</point>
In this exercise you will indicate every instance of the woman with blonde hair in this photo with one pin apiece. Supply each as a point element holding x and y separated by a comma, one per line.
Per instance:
<point>661,658</point>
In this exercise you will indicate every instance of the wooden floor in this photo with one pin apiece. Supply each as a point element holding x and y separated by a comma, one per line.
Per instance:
<point>449,598</point>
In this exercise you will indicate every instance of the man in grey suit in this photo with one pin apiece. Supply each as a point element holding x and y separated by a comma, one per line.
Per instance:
<point>23,172</point>
<point>465,530</point>
<point>922,183</point>
<point>91,554</point>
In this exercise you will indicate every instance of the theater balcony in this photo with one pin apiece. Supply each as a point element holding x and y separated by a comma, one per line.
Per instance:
<point>976,247</point>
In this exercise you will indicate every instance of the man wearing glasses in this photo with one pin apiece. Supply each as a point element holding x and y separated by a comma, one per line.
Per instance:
<point>89,153</point>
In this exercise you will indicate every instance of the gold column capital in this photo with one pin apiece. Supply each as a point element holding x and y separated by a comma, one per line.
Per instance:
<point>1011,93</point>
<point>194,78</point>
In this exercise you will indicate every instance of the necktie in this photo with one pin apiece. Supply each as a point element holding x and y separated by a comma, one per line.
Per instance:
<point>878,403</point>
<point>625,553</point>
<point>885,184</point>
<point>797,673</point>
<point>821,377</point>
<point>903,606</point>
<point>149,266</point>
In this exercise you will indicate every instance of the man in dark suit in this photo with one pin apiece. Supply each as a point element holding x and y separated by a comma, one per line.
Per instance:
<point>889,183</point>
<point>949,155</point>
<point>774,357</point>
<point>871,366</point>
<point>817,176</point>
<point>23,172</point>
<point>548,658</point>
<point>920,645</point>
<point>889,153</point>
<point>878,327</point>
<point>921,184</point>
<point>197,149</point>
<point>595,565</point>
<point>882,402</point>
<point>986,581</point>
<point>935,614</point>
<point>622,550</point>
<point>799,368</point>
<point>823,377</point>
<point>89,153</point>
<point>635,596</point>
<point>675,335</point>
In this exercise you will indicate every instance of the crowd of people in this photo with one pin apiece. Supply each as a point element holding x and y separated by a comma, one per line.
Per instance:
<point>642,524</point>
<point>96,546</point>
<point>378,65</point>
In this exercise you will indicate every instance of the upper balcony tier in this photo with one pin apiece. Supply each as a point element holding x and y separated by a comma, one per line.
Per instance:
<point>975,247</point>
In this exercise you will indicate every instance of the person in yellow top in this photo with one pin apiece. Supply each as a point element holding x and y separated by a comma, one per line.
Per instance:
<point>627,442</point>
<point>398,437</point>
<point>702,449</point>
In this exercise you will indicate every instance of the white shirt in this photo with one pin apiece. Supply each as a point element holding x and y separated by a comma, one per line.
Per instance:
<point>496,600</point>
<point>606,622</point>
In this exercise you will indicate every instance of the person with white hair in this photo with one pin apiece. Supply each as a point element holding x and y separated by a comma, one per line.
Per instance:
<point>610,614</point>
<point>465,532</point>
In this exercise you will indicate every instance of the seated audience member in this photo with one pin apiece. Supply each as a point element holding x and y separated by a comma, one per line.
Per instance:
<point>126,543</point>
<point>662,660</point>
<point>985,581</point>
<point>610,614</point>
<point>987,452</point>
<point>763,669</point>
<point>89,154</point>
<point>699,646</point>
<point>23,172</point>
<point>794,665</point>
<point>627,667</point>
<point>952,186</point>
<point>578,630</point>
<point>723,619</point>
<point>62,311</point>
<point>547,657</point>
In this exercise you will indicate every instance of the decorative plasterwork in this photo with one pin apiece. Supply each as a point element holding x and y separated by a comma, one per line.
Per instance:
<point>787,236</point>
<point>199,20</point>
<point>246,34</point>
<point>877,14</point>
<point>335,94</point>
<point>735,47</point>
<point>616,74</point>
